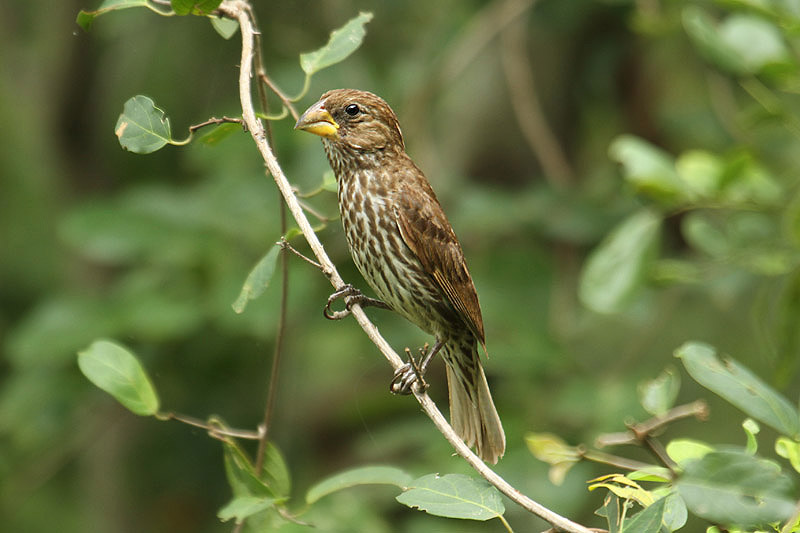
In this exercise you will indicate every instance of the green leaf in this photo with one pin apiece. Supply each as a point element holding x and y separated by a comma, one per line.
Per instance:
<point>675,512</point>
<point>274,471</point>
<point>616,269</point>
<point>703,234</point>
<point>683,451</point>
<point>623,487</point>
<point>789,449</point>
<point>737,177</point>
<point>757,42</point>
<point>243,507</point>
<point>241,473</point>
<point>117,371</point>
<point>732,487</point>
<point>610,511</point>
<point>86,18</point>
<point>224,26</point>
<point>366,475</point>
<point>747,181</point>
<point>647,520</point>
<point>740,387</point>
<point>649,169</point>
<point>142,128</point>
<point>658,474</point>
<point>194,7</point>
<point>554,451</point>
<point>703,33</point>
<point>258,279</point>
<point>341,44</point>
<point>751,429</point>
<point>454,496</point>
<point>658,395</point>
<point>701,171</point>
<point>218,133</point>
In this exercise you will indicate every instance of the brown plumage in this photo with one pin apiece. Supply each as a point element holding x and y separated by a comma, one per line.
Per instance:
<point>404,246</point>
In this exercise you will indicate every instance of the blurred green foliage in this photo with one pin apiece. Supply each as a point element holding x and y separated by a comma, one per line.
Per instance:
<point>679,121</point>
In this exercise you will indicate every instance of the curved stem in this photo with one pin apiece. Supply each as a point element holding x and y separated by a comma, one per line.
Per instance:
<point>303,91</point>
<point>238,10</point>
<point>215,431</point>
<point>279,116</point>
<point>287,103</point>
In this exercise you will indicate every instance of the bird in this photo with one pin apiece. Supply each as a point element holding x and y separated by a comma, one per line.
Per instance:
<point>405,248</point>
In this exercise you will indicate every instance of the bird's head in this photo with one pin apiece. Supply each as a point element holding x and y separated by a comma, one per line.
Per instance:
<point>357,119</point>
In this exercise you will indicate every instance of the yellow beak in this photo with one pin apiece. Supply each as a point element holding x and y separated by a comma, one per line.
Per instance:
<point>318,120</point>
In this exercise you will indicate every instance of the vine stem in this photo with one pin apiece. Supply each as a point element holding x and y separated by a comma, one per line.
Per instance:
<point>238,9</point>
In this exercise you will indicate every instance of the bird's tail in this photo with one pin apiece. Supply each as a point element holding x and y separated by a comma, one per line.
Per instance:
<point>472,412</point>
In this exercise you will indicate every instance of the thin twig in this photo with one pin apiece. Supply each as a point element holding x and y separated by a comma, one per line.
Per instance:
<point>266,422</point>
<point>658,450</point>
<point>285,244</point>
<point>319,216</point>
<point>215,431</point>
<point>238,10</point>
<point>613,460</point>
<point>213,120</point>
<point>280,94</point>
<point>280,333</point>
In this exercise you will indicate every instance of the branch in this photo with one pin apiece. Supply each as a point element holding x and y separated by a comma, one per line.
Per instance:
<point>238,10</point>
<point>639,433</point>
<point>215,431</point>
<point>642,433</point>
<point>274,88</point>
<point>214,120</point>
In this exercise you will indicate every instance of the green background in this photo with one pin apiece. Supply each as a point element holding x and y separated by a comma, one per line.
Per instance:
<point>153,250</point>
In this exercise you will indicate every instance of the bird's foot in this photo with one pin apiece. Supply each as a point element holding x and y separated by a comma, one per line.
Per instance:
<point>351,297</point>
<point>410,373</point>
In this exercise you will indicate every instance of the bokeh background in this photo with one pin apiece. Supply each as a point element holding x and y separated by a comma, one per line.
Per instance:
<point>152,250</point>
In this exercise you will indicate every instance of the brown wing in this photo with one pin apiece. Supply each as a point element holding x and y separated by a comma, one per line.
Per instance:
<point>427,232</point>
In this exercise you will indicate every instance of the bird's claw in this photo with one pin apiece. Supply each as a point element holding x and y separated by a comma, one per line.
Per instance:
<point>351,296</point>
<point>408,374</point>
<point>345,292</point>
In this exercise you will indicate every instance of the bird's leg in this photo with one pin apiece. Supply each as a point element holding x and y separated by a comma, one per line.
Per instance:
<point>409,373</point>
<point>351,296</point>
<point>406,375</point>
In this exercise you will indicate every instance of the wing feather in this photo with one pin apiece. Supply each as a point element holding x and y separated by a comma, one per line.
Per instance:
<point>427,232</point>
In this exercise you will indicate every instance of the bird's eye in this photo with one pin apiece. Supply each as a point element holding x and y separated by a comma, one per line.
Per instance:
<point>352,110</point>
